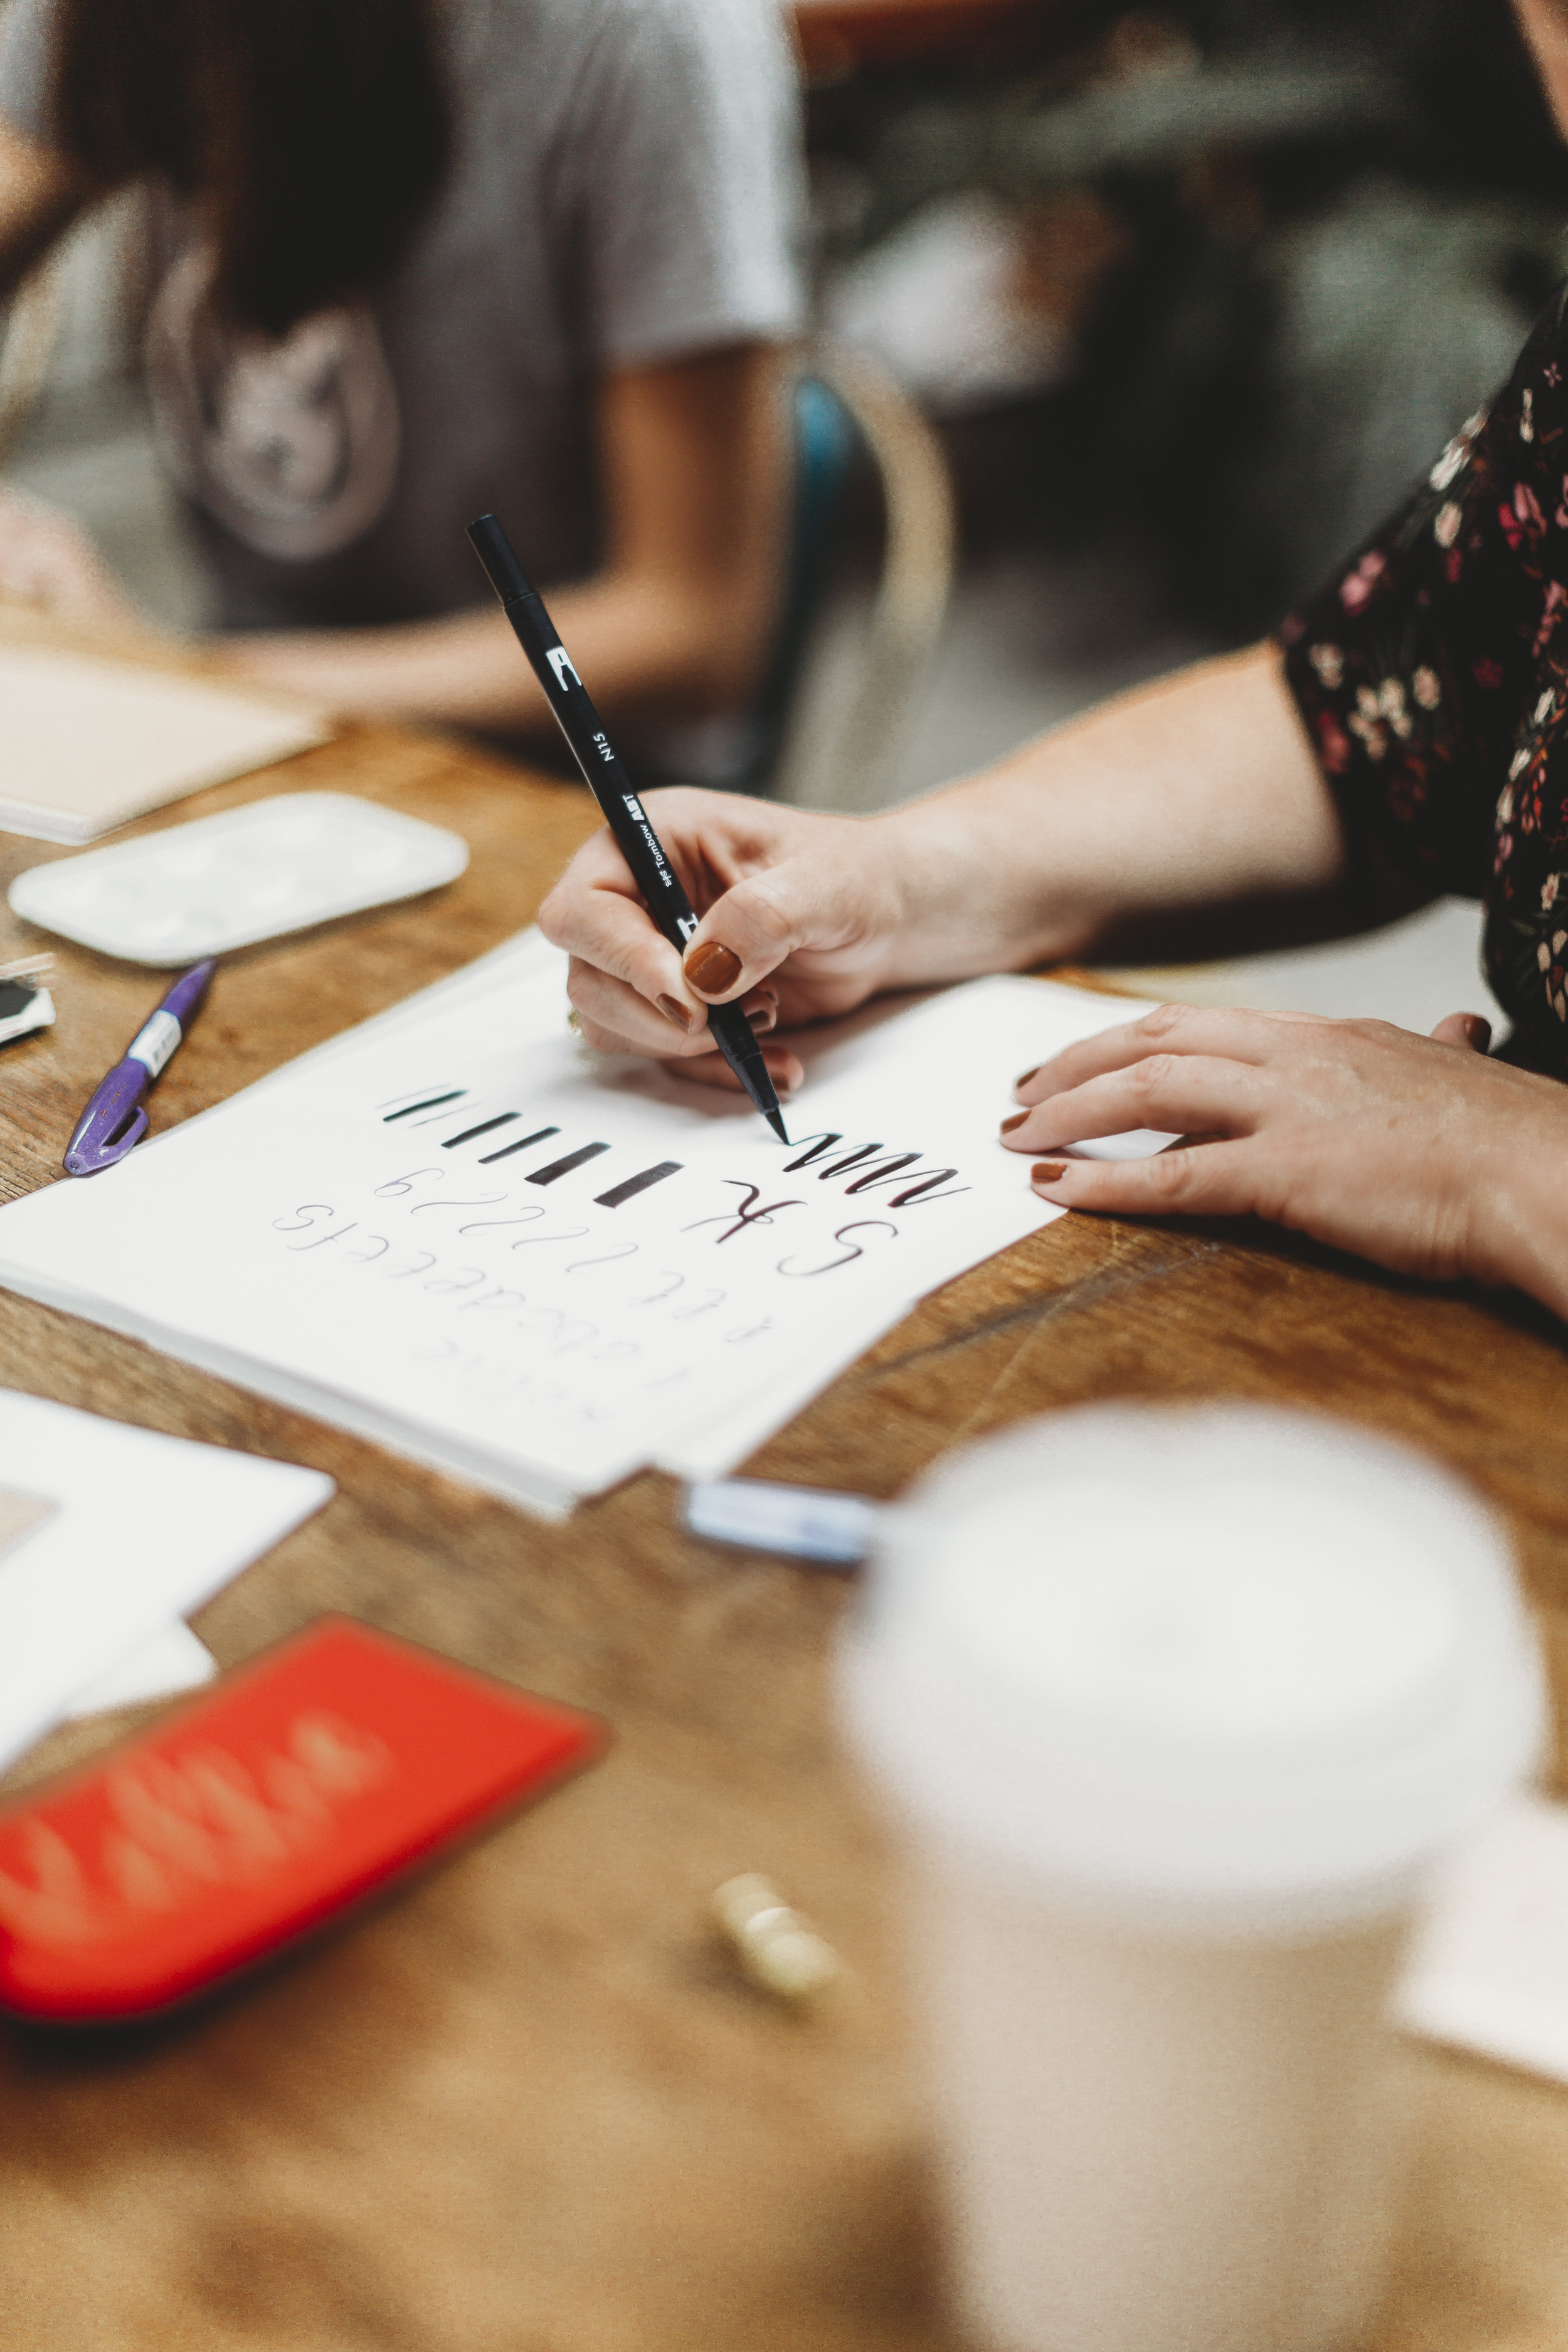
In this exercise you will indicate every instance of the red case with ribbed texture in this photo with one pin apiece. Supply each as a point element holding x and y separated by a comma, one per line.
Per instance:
<point>299,1784</point>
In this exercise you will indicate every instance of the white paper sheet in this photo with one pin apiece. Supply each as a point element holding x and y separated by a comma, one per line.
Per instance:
<point>429,1232</point>
<point>172,1660</point>
<point>1489,1967</point>
<point>148,1527</point>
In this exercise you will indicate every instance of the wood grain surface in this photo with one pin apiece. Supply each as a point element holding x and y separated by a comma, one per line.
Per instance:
<point>526,2106</point>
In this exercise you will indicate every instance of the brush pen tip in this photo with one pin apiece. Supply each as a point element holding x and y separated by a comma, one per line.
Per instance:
<point>776,1122</point>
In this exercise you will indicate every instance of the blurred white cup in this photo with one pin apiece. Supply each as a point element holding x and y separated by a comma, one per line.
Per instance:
<point>1175,1710</point>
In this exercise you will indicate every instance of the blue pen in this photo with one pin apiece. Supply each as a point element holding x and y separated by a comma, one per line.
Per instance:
<point>114,1121</point>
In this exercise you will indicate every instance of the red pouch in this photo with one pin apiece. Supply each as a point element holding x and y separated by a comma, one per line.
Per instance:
<point>301,1782</point>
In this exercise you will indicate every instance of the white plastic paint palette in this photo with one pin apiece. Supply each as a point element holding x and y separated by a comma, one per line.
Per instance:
<point>227,881</point>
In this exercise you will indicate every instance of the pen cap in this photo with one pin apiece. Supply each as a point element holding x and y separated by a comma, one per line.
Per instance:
<point>496,552</point>
<point>1230,1669</point>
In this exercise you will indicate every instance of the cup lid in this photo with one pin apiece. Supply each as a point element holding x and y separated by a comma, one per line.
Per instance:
<point>1238,1660</point>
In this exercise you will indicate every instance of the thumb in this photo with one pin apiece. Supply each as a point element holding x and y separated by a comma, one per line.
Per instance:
<point>1470,1031</point>
<point>803,902</point>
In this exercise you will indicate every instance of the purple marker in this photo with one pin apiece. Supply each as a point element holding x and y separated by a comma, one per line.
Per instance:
<point>114,1121</point>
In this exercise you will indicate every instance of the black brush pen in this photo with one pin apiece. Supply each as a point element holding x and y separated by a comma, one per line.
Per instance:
<point>612,787</point>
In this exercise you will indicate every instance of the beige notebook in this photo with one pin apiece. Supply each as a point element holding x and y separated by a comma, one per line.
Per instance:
<point>86,744</point>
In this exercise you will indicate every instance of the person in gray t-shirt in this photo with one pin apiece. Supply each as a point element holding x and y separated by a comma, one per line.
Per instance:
<point>580,333</point>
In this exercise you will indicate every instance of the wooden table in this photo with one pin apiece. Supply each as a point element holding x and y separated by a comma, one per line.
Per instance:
<point>526,2107</point>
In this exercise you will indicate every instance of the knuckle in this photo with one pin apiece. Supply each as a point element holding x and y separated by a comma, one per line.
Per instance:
<point>1172,1176</point>
<point>1154,1074</point>
<point>676,803</point>
<point>1164,1021</point>
<point>763,911</point>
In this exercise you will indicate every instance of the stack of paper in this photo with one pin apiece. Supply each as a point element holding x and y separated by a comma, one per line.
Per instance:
<point>108,1535</point>
<point>91,743</point>
<point>457,1232</point>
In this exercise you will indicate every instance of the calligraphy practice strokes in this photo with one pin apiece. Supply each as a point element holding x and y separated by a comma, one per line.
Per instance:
<point>465,1234</point>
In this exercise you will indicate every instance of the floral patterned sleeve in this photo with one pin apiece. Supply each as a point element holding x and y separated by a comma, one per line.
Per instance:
<point>1432,675</point>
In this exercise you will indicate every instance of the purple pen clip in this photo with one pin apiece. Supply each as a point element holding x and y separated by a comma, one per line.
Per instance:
<point>114,1121</point>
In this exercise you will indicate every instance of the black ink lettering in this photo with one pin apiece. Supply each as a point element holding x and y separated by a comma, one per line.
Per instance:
<point>855,1249</point>
<point>563,1167</point>
<point>447,1282</point>
<point>747,1212</point>
<point>820,1142</point>
<point>635,1184</point>
<point>882,1172</point>
<point>396,1186</point>
<point>430,1103</point>
<point>405,1272</point>
<point>540,1135</point>
<point>484,1126</point>
<point>887,1172</point>
<point>303,1213</point>
<point>321,1240</point>
<point>609,1259</point>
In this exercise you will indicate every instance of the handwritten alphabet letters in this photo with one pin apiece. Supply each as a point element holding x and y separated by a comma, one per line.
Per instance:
<point>458,1231</point>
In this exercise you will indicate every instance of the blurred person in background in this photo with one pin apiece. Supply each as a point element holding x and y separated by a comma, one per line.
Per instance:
<point>1406,735</point>
<point>414,260</point>
<point>1251,261</point>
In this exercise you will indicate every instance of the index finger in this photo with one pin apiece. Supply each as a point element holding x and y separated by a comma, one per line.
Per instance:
<point>596,913</point>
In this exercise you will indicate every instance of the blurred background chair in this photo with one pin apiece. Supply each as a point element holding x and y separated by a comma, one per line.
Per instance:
<point>868,470</point>
<point>846,760</point>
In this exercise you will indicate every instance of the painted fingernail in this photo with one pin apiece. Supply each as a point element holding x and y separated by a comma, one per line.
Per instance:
<point>1016,1120</point>
<point>1030,1074</point>
<point>674,1011</point>
<point>762,1020</point>
<point>1048,1171</point>
<point>713,969</point>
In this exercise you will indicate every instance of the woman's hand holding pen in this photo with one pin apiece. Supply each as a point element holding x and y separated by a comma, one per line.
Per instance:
<point>803,916</point>
<point>1416,1151</point>
<point>1197,789</point>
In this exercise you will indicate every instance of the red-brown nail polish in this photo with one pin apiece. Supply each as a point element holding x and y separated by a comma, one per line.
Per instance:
<point>1048,1171</point>
<point>1016,1120</point>
<point>713,969</point>
<point>1030,1074</point>
<point>673,1010</point>
<point>762,1020</point>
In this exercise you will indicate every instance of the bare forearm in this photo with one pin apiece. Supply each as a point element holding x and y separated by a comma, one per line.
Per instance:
<point>1197,790</point>
<point>643,648</point>
<point>1518,1218</point>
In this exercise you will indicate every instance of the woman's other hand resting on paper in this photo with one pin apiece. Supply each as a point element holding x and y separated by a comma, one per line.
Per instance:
<point>1416,1151</point>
